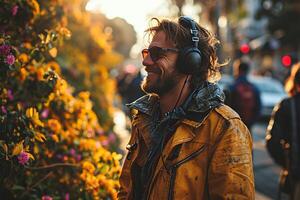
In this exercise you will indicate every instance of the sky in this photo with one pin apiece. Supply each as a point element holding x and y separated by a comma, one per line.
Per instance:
<point>133,11</point>
<point>138,13</point>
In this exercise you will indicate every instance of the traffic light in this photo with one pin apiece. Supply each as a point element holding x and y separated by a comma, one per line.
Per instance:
<point>286,60</point>
<point>245,48</point>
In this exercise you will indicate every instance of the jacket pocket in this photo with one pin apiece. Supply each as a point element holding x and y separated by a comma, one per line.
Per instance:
<point>173,168</point>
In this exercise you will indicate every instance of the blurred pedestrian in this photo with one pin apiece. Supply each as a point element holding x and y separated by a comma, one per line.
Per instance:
<point>283,136</point>
<point>185,143</point>
<point>244,97</point>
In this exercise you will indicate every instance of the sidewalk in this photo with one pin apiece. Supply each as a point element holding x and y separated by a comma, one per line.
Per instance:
<point>259,196</point>
<point>266,172</point>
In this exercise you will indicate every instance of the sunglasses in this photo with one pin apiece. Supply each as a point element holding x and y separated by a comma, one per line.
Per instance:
<point>157,52</point>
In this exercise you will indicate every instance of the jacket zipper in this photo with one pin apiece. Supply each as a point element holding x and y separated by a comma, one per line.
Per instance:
<point>178,164</point>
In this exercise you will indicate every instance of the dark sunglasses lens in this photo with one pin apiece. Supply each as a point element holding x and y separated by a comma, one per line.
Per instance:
<point>155,53</point>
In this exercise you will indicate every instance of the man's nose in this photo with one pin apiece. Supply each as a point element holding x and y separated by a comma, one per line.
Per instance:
<point>147,61</point>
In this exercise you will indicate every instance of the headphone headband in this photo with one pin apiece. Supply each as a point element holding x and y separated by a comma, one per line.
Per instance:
<point>189,59</point>
<point>190,24</point>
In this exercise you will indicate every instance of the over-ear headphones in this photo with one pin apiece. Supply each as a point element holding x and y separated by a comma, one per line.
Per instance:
<point>189,58</point>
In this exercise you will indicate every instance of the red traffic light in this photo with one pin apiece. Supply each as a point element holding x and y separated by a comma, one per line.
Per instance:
<point>286,60</point>
<point>244,48</point>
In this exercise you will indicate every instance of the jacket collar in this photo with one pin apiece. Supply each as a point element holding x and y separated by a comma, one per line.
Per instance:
<point>201,100</point>
<point>147,104</point>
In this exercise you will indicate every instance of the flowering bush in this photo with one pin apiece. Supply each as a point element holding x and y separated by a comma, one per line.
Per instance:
<point>51,143</point>
<point>87,58</point>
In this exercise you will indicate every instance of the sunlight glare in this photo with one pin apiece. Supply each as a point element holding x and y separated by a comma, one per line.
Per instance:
<point>133,11</point>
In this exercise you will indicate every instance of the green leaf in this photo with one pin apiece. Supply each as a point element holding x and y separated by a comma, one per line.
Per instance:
<point>18,187</point>
<point>37,55</point>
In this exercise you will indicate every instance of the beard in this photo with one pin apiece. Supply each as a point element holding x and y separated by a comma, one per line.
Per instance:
<point>159,86</point>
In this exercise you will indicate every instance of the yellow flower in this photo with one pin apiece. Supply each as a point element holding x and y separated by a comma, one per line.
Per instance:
<point>23,58</point>
<point>61,86</point>
<point>23,74</point>
<point>116,156</point>
<point>35,6</point>
<point>87,144</point>
<point>36,149</point>
<point>34,115</point>
<point>18,148</point>
<point>91,182</point>
<point>65,32</point>
<point>53,52</point>
<point>84,95</point>
<point>39,137</point>
<point>102,73</point>
<point>54,125</point>
<point>88,166</point>
<point>55,138</point>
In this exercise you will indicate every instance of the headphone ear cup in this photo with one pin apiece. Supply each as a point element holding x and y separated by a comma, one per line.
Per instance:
<point>189,60</point>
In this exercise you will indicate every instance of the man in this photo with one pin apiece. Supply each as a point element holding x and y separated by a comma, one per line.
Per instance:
<point>185,143</point>
<point>283,136</point>
<point>244,96</point>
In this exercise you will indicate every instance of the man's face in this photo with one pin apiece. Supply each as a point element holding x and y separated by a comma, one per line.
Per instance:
<point>160,66</point>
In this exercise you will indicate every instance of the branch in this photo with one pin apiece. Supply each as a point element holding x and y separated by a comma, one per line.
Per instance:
<point>37,183</point>
<point>53,166</point>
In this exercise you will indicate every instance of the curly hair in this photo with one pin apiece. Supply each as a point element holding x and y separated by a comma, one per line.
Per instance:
<point>181,37</point>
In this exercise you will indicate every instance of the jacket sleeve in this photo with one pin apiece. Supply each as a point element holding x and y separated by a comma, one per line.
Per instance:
<point>125,177</point>
<point>278,126</point>
<point>230,175</point>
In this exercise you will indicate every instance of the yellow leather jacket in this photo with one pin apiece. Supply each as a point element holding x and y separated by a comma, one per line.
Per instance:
<point>214,161</point>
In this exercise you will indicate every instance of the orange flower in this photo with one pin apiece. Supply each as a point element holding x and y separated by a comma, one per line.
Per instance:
<point>54,66</point>
<point>40,73</point>
<point>84,95</point>
<point>23,74</point>
<point>87,144</point>
<point>23,58</point>
<point>31,69</point>
<point>27,45</point>
<point>34,5</point>
<point>54,125</point>
<point>55,138</point>
<point>88,166</point>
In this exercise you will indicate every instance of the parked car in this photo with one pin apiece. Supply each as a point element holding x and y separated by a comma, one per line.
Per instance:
<point>271,91</point>
<point>225,81</point>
